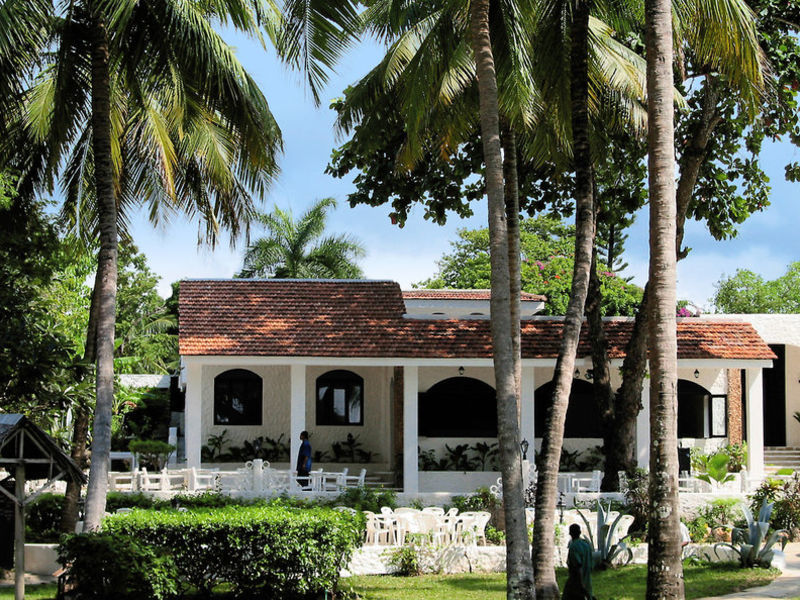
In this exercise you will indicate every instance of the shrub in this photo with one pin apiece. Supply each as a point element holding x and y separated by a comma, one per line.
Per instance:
<point>43,518</point>
<point>480,499</point>
<point>722,512</point>
<point>637,500</point>
<point>116,500</point>
<point>363,498</point>
<point>152,453</point>
<point>281,552</point>
<point>116,566</point>
<point>785,497</point>
<point>405,561</point>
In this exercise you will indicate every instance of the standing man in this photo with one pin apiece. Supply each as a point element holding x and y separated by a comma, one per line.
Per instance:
<point>579,563</point>
<point>303,460</point>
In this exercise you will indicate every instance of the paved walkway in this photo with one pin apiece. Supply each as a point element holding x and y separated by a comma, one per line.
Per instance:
<point>787,585</point>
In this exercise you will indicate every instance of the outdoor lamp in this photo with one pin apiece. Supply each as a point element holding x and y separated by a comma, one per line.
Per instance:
<point>589,374</point>
<point>561,506</point>
<point>524,445</point>
<point>460,370</point>
<point>696,374</point>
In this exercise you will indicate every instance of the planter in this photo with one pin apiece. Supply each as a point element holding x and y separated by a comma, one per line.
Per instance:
<point>41,559</point>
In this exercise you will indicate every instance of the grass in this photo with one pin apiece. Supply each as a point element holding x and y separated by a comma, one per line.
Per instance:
<point>627,583</point>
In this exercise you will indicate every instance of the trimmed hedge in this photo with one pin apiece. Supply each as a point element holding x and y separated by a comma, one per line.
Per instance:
<point>279,552</point>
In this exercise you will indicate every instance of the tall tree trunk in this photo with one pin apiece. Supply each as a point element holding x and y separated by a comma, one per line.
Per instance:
<point>664,568</point>
<point>80,430</point>
<point>519,577</point>
<point>547,488</point>
<point>634,366</point>
<point>601,378</point>
<point>511,190</point>
<point>106,273</point>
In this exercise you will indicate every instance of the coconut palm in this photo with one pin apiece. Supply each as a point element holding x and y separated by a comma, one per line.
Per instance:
<point>148,69</point>
<point>664,568</point>
<point>297,249</point>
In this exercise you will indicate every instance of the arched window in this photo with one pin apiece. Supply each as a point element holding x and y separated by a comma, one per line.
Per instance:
<point>237,398</point>
<point>340,398</point>
<point>701,414</point>
<point>458,407</point>
<point>583,418</point>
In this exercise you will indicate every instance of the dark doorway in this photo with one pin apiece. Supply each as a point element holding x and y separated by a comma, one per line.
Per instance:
<point>774,381</point>
<point>458,407</point>
<point>692,409</point>
<point>583,416</point>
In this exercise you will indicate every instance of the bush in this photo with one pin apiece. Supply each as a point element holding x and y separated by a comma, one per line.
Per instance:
<point>480,499</point>
<point>722,512</point>
<point>785,497</point>
<point>117,500</point>
<point>637,500</point>
<point>43,519</point>
<point>281,552</point>
<point>151,453</point>
<point>116,566</point>
<point>370,499</point>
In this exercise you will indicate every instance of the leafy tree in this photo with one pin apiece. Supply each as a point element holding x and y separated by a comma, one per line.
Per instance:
<point>39,363</point>
<point>297,248</point>
<point>547,245</point>
<point>748,292</point>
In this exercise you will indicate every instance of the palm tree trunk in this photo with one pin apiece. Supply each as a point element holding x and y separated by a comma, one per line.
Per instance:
<point>511,190</point>
<point>106,274</point>
<point>80,431</point>
<point>519,577</point>
<point>664,568</point>
<point>546,488</point>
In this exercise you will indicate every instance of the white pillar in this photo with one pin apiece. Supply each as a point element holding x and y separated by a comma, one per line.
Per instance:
<point>193,413</point>
<point>528,389</point>
<point>755,423</point>
<point>297,410</point>
<point>643,429</point>
<point>410,429</point>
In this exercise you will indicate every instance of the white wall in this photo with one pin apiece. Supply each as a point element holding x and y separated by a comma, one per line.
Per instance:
<point>792,394</point>
<point>274,407</point>
<point>375,433</point>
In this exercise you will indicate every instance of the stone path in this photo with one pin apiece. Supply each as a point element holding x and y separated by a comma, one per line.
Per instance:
<point>787,585</point>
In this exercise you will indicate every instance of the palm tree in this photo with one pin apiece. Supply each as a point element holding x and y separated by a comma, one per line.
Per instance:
<point>664,568</point>
<point>102,46</point>
<point>297,249</point>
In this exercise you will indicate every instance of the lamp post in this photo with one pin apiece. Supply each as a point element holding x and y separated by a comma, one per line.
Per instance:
<point>561,506</point>
<point>524,445</point>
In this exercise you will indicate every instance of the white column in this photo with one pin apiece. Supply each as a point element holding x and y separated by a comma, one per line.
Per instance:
<point>755,423</point>
<point>410,429</point>
<point>527,430</point>
<point>193,414</point>
<point>643,429</point>
<point>297,410</point>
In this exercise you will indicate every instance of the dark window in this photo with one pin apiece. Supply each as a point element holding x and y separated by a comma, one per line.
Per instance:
<point>693,408</point>
<point>237,398</point>
<point>340,398</point>
<point>583,418</point>
<point>458,407</point>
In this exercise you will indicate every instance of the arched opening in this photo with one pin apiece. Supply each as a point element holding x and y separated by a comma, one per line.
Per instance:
<point>458,407</point>
<point>583,417</point>
<point>340,398</point>
<point>701,414</point>
<point>237,398</point>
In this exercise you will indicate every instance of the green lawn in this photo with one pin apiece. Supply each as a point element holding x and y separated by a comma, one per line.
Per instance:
<point>627,583</point>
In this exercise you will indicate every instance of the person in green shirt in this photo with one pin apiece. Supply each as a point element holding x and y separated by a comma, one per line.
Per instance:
<point>579,564</point>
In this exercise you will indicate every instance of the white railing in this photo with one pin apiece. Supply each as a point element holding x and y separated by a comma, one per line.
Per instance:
<point>255,478</point>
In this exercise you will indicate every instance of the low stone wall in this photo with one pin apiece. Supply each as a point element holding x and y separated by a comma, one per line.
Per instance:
<point>41,559</point>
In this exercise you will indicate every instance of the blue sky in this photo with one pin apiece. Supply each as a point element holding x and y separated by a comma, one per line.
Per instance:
<point>767,242</point>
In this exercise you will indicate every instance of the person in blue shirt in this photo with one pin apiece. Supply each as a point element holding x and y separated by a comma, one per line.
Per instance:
<point>303,460</point>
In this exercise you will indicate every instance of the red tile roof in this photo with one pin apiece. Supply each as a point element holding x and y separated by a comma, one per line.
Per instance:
<point>447,294</point>
<point>365,319</point>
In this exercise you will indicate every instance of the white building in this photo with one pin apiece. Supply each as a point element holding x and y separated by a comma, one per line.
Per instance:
<point>409,370</point>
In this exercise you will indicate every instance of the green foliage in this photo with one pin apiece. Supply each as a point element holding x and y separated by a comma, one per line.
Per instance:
<point>139,413</point>
<point>547,245</point>
<point>118,566</point>
<point>747,292</point>
<point>277,551</point>
<point>722,512</point>
<point>213,450</point>
<point>496,537</point>
<point>605,553</point>
<point>263,447</point>
<point>752,544</point>
<point>405,560</point>
<point>785,498</point>
<point>152,453</point>
<point>297,248</point>
<point>481,499</point>
<point>714,468</point>
<point>637,499</point>
<point>43,517</point>
<point>366,499</point>
<point>698,528</point>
